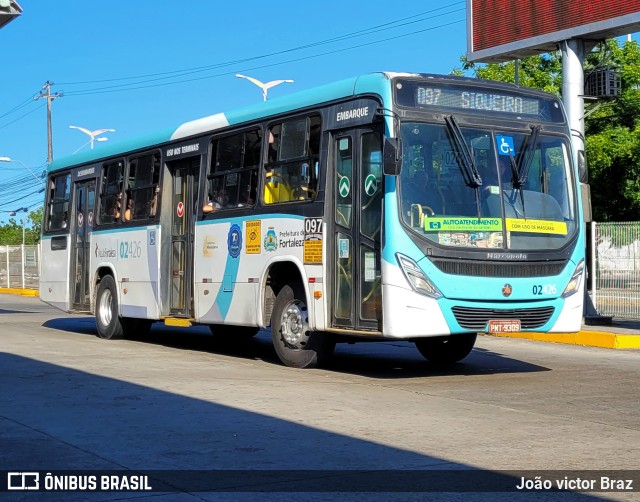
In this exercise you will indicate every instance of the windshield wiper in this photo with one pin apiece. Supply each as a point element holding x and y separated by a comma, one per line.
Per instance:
<point>520,168</point>
<point>466,163</point>
<point>525,157</point>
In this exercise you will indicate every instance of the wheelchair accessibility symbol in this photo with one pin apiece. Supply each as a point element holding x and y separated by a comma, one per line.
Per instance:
<point>505,145</point>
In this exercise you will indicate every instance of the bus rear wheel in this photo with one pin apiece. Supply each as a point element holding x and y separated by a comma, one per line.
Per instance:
<point>296,345</point>
<point>446,349</point>
<point>107,316</point>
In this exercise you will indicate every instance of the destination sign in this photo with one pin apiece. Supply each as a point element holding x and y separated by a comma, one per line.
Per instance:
<point>476,100</point>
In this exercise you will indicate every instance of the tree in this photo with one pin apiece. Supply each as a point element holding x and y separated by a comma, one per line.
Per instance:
<point>612,134</point>
<point>539,72</point>
<point>612,131</point>
<point>11,232</point>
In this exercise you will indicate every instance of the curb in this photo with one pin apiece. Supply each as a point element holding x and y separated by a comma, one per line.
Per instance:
<point>587,338</point>
<point>20,291</point>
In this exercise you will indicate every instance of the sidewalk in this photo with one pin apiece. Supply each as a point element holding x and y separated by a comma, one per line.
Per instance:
<point>620,334</point>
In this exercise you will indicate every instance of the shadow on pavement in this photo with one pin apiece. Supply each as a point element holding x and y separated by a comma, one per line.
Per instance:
<point>58,418</point>
<point>383,360</point>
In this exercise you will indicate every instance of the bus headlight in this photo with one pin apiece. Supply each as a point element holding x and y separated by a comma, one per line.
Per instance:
<point>574,282</point>
<point>416,278</point>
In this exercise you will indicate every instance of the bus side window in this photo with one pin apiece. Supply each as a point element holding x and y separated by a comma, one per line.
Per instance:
<point>232,179</point>
<point>142,187</point>
<point>291,172</point>
<point>110,195</point>
<point>59,197</point>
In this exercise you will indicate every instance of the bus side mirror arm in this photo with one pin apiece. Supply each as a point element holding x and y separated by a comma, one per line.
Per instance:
<point>392,157</point>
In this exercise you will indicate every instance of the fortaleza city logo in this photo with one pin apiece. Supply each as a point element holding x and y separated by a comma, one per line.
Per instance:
<point>105,252</point>
<point>507,290</point>
<point>270,240</point>
<point>234,241</point>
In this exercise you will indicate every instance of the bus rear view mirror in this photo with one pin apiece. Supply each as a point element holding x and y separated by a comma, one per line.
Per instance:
<point>583,173</point>
<point>392,157</point>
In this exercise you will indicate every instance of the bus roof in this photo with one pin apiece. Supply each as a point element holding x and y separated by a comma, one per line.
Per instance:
<point>374,83</point>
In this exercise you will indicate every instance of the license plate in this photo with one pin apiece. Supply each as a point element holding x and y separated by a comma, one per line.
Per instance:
<point>504,326</point>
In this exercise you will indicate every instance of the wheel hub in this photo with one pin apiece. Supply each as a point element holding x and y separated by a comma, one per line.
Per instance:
<point>294,325</point>
<point>105,308</point>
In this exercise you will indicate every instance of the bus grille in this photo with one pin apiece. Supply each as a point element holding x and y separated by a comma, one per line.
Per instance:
<point>500,269</point>
<point>477,318</point>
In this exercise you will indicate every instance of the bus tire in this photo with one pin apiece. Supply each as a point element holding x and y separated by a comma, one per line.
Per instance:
<point>108,320</point>
<point>231,332</point>
<point>446,349</point>
<point>296,345</point>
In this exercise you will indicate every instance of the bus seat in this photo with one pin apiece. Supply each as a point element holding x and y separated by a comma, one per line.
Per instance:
<point>275,191</point>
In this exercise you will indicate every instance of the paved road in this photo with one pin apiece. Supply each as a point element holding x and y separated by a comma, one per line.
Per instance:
<point>181,399</point>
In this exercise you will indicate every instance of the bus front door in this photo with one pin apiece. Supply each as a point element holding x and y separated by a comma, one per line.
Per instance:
<point>184,179</point>
<point>84,197</point>
<point>356,289</point>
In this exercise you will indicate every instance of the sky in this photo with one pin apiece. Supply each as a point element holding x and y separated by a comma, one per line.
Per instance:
<point>147,65</point>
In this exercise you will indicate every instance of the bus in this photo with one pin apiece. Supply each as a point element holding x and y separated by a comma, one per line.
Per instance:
<point>388,206</point>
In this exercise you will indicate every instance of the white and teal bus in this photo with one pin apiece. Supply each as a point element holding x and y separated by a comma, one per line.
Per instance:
<point>391,206</point>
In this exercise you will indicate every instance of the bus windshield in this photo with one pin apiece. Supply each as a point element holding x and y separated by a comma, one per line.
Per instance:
<point>487,188</point>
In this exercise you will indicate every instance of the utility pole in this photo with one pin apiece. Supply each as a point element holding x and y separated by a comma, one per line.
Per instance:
<point>46,93</point>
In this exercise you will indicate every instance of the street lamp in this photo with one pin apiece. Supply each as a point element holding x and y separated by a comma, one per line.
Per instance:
<point>9,159</point>
<point>92,134</point>
<point>22,221</point>
<point>264,86</point>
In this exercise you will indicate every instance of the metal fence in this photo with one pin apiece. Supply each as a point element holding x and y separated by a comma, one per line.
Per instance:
<point>615,256</point>
<point>19,267</point>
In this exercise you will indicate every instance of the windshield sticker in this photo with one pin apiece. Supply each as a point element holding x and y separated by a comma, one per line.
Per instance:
<point>537,226</point>
<point>457,224</point>
<point>493,225</point>
<point>505,145</point>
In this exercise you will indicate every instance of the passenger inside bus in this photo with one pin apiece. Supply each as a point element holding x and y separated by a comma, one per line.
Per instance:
<point>154,202</point>
<point>218,201</point>
<point>117,207</point>
<point>247,197</point>
<point>128,214</point>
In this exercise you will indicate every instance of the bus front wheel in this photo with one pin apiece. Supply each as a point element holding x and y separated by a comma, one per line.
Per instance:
<point>296,345</point>
<point>107,315</point>
<point>446,349</point>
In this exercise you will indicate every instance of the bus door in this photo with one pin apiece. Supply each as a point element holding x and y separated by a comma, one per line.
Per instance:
<point>358,194</point>
<point>84,200</point>
<point>184,189</point>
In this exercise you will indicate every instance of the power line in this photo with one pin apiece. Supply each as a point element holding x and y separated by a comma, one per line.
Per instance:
<point>359,33</point>
<point>130,87</point>
<point>18,107</point>
<point>405,21</point>
<point>19,198</point>
<point>22,116</point>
